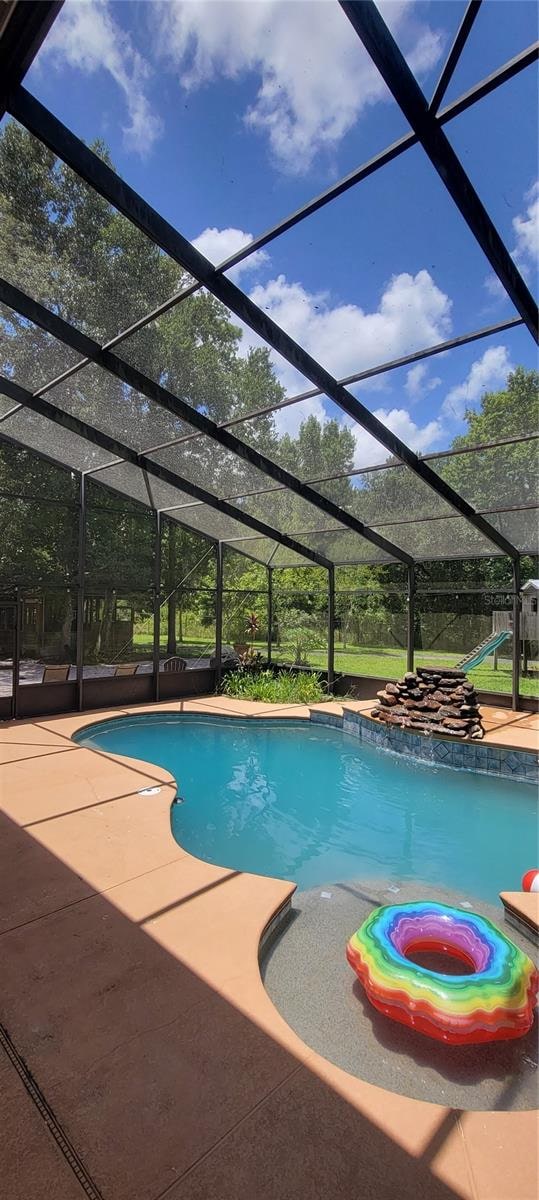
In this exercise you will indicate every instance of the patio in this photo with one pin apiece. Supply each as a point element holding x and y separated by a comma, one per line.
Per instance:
<point>168,490</point>
<point>141,1035</point>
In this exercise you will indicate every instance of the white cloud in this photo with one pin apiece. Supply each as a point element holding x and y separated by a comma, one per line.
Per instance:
<point>220,244</point>
<point>526,227</point>
<point>491,370</point>
<point>290,419</point>
<point>495,288</point>
<point>413,313</point>
<point>418,382</point>
<point>315,78</point>
<point>86,36</point>
<point>368,451</point>
<point>420,438</point>
<point>526,249</point>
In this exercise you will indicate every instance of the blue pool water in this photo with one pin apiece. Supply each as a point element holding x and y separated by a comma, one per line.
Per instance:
<point>306,802</point>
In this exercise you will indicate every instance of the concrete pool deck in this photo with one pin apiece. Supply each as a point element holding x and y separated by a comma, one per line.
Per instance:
<point>144,1058</point>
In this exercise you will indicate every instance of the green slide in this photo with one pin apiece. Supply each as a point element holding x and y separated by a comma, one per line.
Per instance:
<point>482,651</point>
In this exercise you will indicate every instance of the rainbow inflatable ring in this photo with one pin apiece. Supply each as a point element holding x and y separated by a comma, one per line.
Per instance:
<point>497,1001</point>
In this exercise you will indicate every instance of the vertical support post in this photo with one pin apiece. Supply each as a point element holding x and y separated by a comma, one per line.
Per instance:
<point>157,605</point>
<point>171,589</point>
<point>80,593</point>
<point>331,628</point>
<point>16,653</point>
<point>270,612</point>
<point>515,700</point>
<point>411,619</point>
<point>219,615</point>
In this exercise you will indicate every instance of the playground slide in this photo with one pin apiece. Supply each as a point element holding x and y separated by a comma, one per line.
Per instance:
<point>476,656</point>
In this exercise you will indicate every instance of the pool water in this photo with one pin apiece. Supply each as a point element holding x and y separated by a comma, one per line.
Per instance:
<point>308,803</point>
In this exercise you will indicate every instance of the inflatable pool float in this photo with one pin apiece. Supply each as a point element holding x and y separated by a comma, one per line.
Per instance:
<point>495,1002</point>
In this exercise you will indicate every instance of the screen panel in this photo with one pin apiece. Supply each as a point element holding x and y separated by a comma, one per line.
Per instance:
<point>520,528</point>
<point>40,434</point>
<point>202,460</point>
<point>287,512</point>
<point>271,553</point>
<point>68,248</point>
<point>502,475</point>
<point>388,493</point>
<point>147,489</point>
<point>446,538</point>
<point>28,355</point>
<point>102,400</point>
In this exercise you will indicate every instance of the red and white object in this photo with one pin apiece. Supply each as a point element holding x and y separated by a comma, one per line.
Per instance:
<point>530,881</point>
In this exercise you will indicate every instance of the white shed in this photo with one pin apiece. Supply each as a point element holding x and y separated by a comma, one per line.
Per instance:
<point>529,621</point>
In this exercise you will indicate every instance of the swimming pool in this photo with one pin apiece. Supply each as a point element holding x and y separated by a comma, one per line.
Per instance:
<point>306,802</point>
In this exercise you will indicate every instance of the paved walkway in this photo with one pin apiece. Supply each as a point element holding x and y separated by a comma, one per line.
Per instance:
<point>131,993</point>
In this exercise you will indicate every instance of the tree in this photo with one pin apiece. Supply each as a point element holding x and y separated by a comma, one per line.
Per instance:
<point>71,250</point>
<point>487,479</point>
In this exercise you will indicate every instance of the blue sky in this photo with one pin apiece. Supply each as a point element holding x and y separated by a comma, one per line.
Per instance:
<point>228,115</point>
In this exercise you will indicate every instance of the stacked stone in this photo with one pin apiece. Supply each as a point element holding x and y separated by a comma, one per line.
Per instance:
<point>434,700</point>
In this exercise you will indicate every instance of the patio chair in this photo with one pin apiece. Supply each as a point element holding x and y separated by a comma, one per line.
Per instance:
<point>123,669</point>
<point>56,674</point>
<point>175,664</point>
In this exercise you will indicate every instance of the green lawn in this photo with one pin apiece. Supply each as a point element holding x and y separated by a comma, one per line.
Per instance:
<point>382,662</point>
<point>390,663</point>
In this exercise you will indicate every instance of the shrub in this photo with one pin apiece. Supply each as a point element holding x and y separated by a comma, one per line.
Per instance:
<point>285,688</point>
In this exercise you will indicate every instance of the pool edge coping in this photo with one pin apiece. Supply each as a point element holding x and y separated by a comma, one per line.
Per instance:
<point>383,1107</point>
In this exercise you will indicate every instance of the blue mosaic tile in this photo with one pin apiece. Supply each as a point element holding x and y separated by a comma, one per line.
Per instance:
<point>463,755</point>
<point>322,718</point>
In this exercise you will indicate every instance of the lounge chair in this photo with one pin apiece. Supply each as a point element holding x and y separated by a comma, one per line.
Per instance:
<point>123,669</point>
<point>56,674</point>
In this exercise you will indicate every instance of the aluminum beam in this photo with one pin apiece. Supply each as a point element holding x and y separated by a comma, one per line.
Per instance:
<point>99,175</point>
<point>219,614</point>
<point>270,612</point>
<point>156,646</point>
<point>390,62</point>
<point>463,339</point>
<point>331,629</point>
<point>51,413</point>
<point>515,673</point>
<point>455,52</point>
<point>81,565</point>
<point>410,623</point>
<point>22,31</point>
<point>502,75</point>
<point>484,88</point>
<point>134,378</point>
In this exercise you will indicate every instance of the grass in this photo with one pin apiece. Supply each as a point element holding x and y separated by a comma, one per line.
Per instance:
<point>289,688</point>
<point>390,663</point>
<point>383,662</point>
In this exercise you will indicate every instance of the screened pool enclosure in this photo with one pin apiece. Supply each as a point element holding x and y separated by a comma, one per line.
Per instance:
<point>156,521</point>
